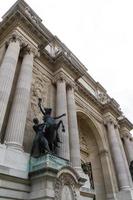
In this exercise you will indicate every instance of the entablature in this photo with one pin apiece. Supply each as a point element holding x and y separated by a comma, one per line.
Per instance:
<point>125,123</point>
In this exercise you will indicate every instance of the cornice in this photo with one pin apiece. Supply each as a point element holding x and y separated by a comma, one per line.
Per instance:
<point>124,122</point>
<point>23,14</point>
<point>69,62</point>
<point>88,95</point>
<point>19,15</point>
<point>113,107</point>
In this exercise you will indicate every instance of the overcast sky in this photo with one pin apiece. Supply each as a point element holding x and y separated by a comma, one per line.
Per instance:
<point>100,34</point>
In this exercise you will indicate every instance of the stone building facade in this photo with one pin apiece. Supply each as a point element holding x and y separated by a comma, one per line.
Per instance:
<point>97,148</point>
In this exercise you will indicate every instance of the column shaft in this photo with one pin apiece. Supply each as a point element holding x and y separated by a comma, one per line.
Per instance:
<point>127,143</point>
<point>124,158</point>
<point>61,107</point>
<point>129,149</point>
<point>73,130</point>
<point>7,73</point>
<point>117,158</point>
<point>17,118</point>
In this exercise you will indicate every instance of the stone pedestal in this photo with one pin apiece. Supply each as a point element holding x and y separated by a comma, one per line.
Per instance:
<point>14,163</point>
<point>53,178</point>
<point>125,195</point>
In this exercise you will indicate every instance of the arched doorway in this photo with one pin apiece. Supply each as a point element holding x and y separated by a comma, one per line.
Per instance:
<point>89,150</point>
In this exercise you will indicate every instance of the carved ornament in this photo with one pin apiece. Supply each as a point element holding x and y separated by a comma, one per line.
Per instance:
<point>65,180</point>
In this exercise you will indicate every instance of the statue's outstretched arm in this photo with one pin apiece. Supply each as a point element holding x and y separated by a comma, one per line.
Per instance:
<point>60,116</point>
<point>39,104</point>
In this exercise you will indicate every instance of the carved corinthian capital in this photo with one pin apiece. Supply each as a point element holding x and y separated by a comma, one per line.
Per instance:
<point>13,38</point>
<point>61,76</point>
<point>28,49</point>
<point>125,133</point>
<point>109,119</point>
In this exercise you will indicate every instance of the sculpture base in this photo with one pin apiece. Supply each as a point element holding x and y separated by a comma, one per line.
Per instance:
<point>52,177</point>
<point>47,161</point>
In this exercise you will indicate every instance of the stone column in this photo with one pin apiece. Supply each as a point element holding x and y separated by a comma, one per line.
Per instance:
<point>124,157</point>
<point>17,118</point>
<point>7,73</point>
<point>2,52</point>
<point>120,167</point>
<point>108,176</point>
<point>127,143</point>
<point>61,107</point>
<point>73,129</point>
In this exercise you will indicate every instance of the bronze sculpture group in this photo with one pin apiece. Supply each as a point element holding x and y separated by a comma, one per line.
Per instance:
<point>47,136</point>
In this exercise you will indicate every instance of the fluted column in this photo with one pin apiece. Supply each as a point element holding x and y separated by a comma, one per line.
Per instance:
<point>61,107</point>
<point>120,167</point>
<point>17,118</point>
<point>124,157</point>
<point>73,129</point>
<point>7,73</point>
<point>127,143</point>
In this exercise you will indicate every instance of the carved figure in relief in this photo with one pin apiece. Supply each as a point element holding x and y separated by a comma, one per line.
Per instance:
<point>47,137</point>
<point>87,169</point>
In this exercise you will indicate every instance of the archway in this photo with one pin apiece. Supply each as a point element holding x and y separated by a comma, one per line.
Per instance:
<point>90,146</point>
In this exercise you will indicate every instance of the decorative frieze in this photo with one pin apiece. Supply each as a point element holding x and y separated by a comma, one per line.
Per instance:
<point>103,97</point>
<point>32,15</point>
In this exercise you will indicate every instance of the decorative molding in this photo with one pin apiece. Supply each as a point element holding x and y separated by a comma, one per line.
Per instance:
<point>125,133</point>
<point>103,98</point>
<point>61,76</point>
<point>28,49</point>
<point>33,17</point>
<point>124,122</point>
<point>109,119</point>
<point>88,95</point>
<point>65,180</point>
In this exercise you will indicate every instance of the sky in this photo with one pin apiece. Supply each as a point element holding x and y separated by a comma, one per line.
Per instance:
<point>100,34</point>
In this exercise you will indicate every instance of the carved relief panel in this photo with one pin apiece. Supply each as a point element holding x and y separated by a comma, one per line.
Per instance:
<point>65,188</point>
<point>39,89</point>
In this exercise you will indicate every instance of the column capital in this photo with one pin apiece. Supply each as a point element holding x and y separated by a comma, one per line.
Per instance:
<point>125,133</point>
<point>14,37</point>
<point>61,76</point>
<point>28,49</point>
<point>109,119</point>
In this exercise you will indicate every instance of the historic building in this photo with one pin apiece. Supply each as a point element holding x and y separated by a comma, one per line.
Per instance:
<point>94,157</point>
